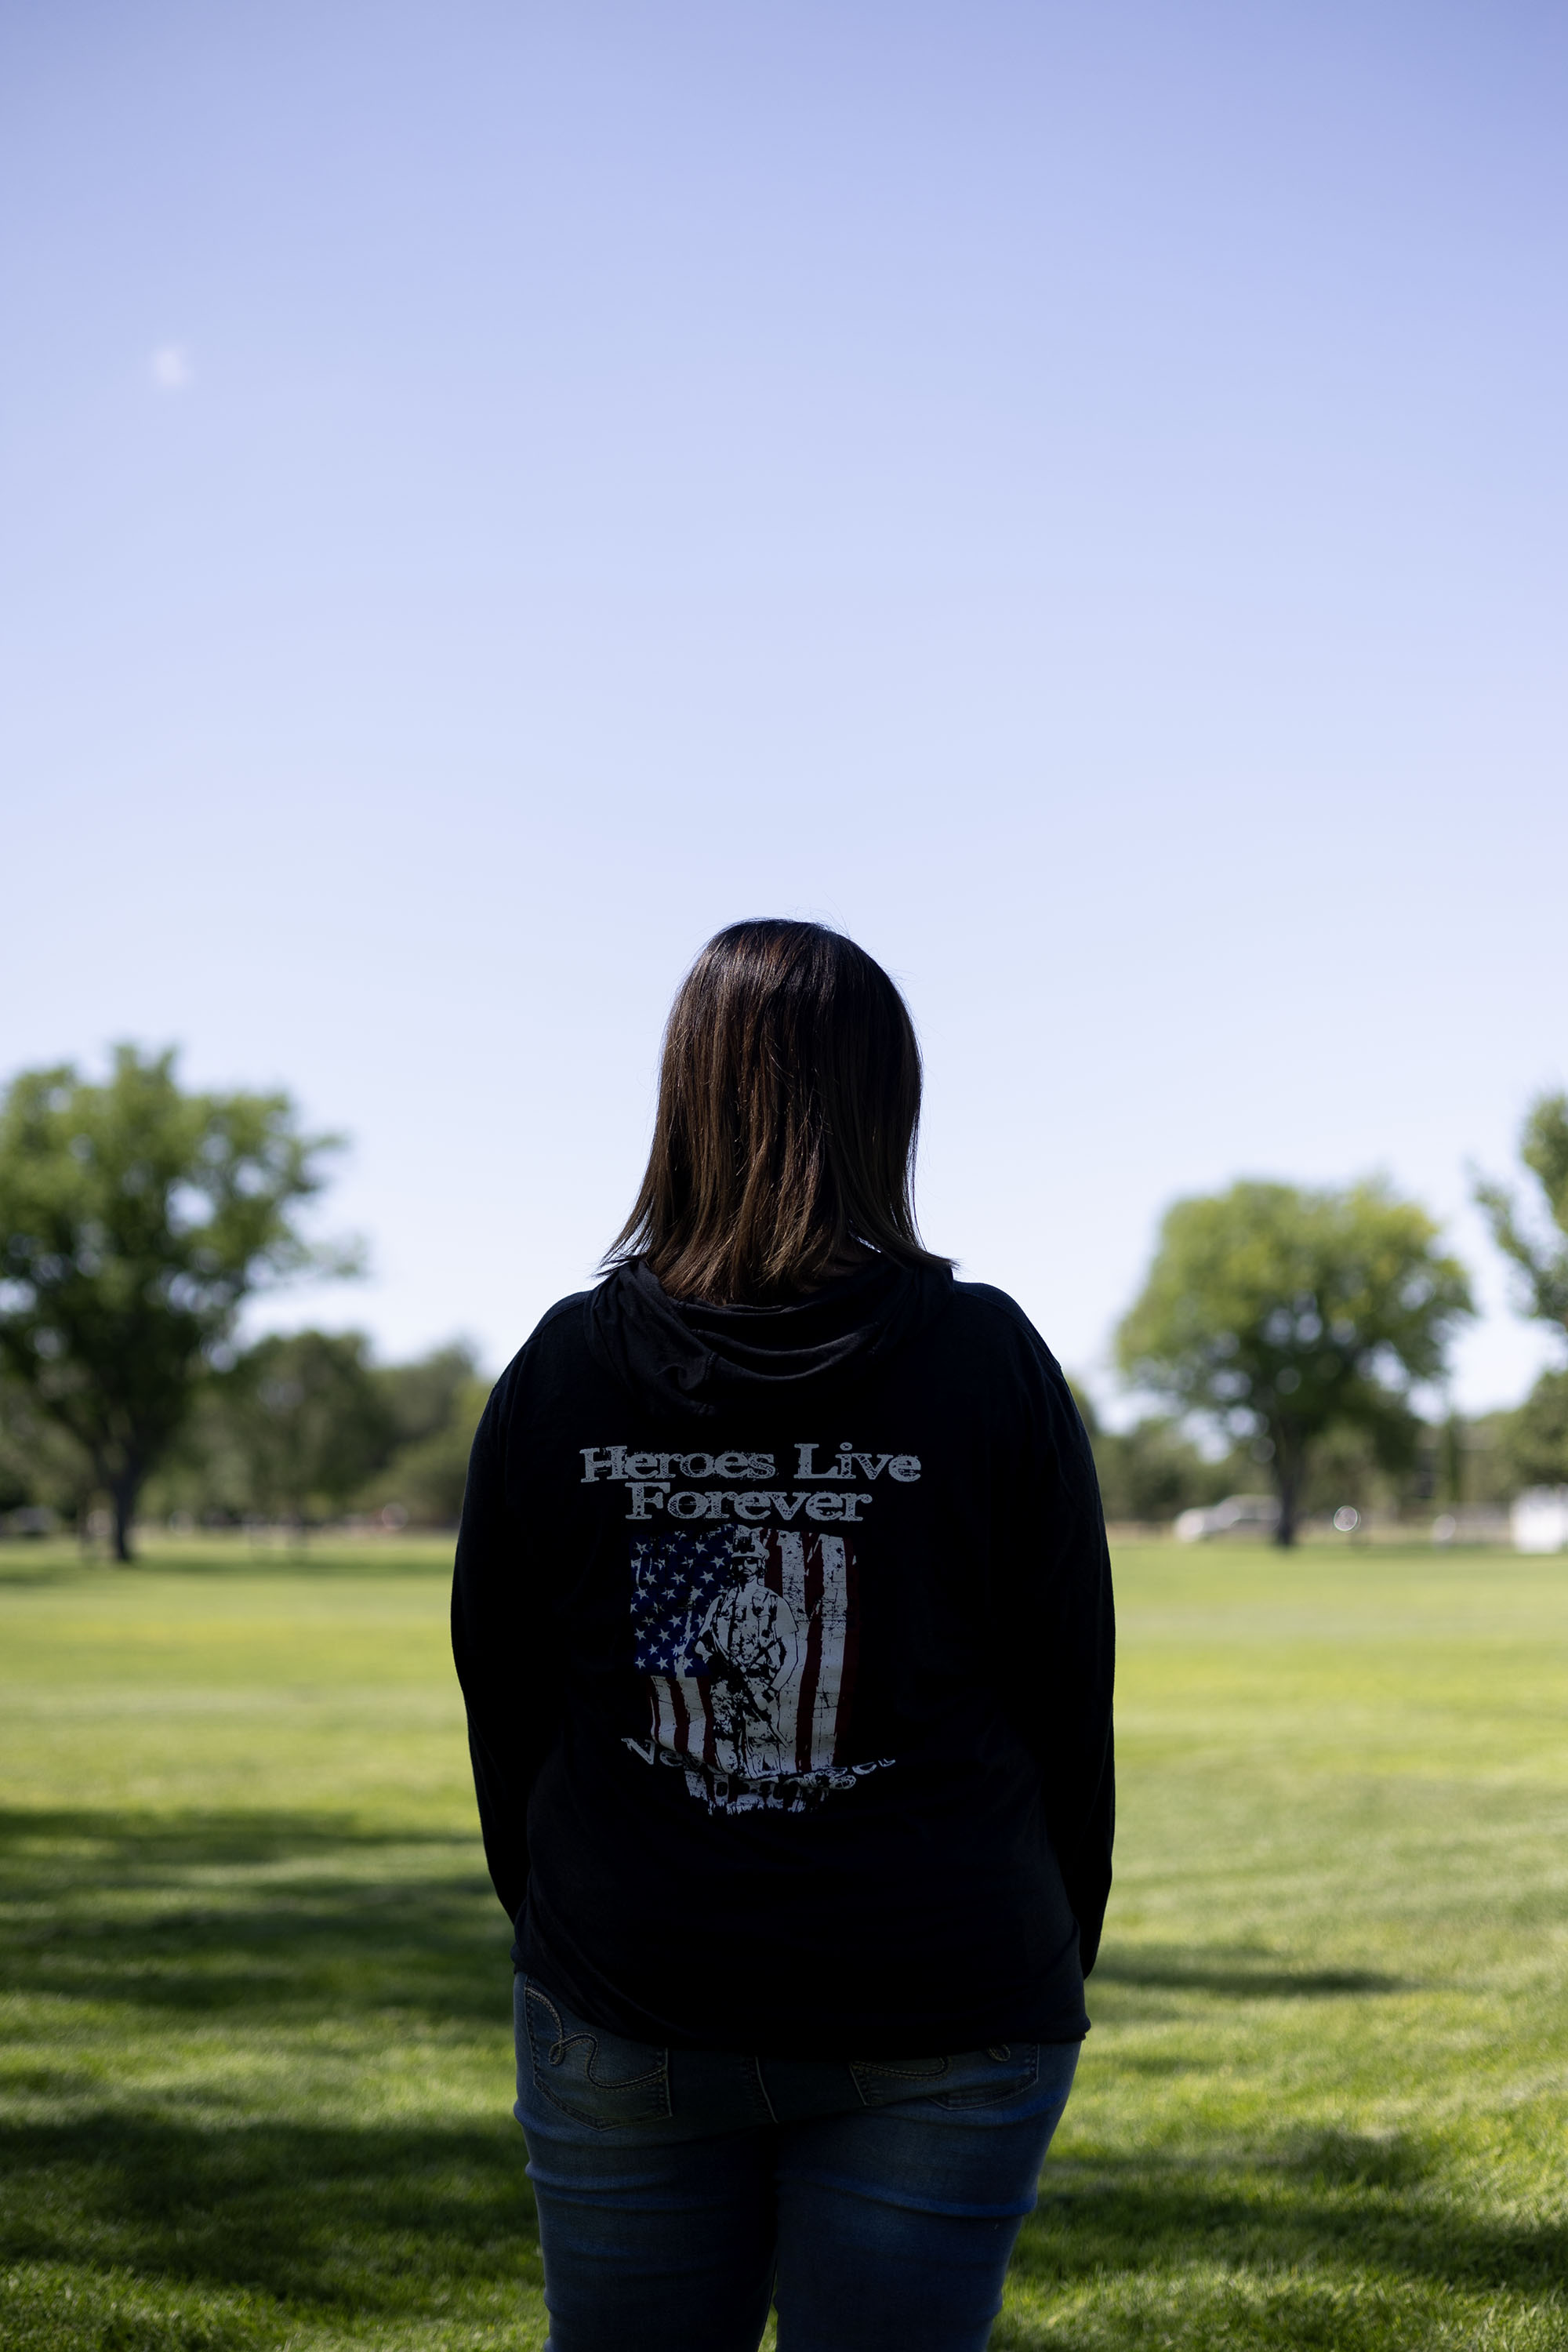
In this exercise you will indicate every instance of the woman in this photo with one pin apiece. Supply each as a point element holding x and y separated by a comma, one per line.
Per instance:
<point>783,1614</point>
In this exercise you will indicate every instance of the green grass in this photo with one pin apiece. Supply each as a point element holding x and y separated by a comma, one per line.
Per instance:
<point>254,2082</point>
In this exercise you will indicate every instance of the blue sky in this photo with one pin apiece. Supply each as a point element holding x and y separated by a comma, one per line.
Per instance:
<point>1077,497</point>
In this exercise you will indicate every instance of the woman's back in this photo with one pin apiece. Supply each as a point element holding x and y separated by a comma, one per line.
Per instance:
<point>799,1609</point>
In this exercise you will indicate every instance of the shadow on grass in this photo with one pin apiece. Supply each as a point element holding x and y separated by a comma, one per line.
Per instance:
<point>198,1913</point>
<point>144,1932</point>
<point>388,2219</point>
<point>1235,1975</point>
<point>1360,2204</point>
<point>365,2220</point>
<point>320,1922</point>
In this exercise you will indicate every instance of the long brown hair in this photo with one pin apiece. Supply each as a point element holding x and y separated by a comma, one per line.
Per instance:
<point>789,1097</point>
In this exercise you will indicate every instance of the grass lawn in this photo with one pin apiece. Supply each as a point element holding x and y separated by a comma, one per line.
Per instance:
<point>254,2082</point>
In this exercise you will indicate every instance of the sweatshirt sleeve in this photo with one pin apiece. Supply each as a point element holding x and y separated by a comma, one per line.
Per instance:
<point>1058,1622</point>
<point>501,1647</point>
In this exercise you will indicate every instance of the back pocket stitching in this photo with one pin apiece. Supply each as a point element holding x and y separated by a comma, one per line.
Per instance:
<point>984,2094</point>
<point>657,2074</point>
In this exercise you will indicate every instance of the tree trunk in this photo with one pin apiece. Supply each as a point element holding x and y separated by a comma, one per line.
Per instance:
<point>123,1494</point>
<point>1454,1461</point>
<point>1288,1479</point>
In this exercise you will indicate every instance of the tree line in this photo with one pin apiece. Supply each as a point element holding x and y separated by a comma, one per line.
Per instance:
<point>302,1428</point>
<point>1295,1332</point>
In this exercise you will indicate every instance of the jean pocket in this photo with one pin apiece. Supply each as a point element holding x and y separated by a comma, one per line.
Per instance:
<point>595,2077</point>
<point>970,2078</point>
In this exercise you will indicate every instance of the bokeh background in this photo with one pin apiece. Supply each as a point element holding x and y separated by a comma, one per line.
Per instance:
<point>491,491</point>
<point>1076,496</point>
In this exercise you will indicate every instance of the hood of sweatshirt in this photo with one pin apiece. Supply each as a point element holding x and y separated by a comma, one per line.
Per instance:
<point>696,1361</point>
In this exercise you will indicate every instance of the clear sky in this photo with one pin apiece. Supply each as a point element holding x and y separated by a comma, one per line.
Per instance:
<point>1076,496</point>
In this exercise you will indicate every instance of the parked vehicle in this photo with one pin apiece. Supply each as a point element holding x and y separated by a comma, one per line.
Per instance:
<point>1539,1520</point>
<point>33,1521</point>
<point>1246,1514</point>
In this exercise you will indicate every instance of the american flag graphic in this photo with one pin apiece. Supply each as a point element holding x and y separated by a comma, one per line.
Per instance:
<point>747,1636</point>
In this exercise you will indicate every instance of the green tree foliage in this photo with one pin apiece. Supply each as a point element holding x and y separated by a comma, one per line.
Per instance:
<point>305,1427</point>
<point>436,1402</point>
<point>40,1464</point>
<point>1153,1470</point>
<point>1386,1466</point>
<point>423,1397</point>
<point>1282,1314</point>
<point>310,1421</point>
<point>1534,1438</point>
<point>1541,1258</point>
<point>134,1220</point>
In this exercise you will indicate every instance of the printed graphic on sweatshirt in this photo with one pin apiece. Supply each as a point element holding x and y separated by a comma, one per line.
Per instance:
<point>748,1639</point>
<point>750,1487</point>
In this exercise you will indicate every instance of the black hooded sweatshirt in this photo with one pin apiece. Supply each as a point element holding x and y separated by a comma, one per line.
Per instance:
<point>786,1639</point>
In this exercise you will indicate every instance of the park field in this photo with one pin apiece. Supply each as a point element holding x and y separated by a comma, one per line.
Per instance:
<point>253,1986</point>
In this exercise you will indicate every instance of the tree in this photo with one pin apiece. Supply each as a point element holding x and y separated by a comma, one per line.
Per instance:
<point>134,1220</point>
<point>437,1401</point>
<point>423,1396</point>
<point>39,1463</point>
<point>1534,1438</point>
<point>310,1421</point>
<point>304,1424</point>
<point>1542,1258</point>
<point>1153,1470</point>
<point>1282,1314</point>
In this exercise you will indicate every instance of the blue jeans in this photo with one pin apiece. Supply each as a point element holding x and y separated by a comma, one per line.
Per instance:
<point>680,2191</point>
